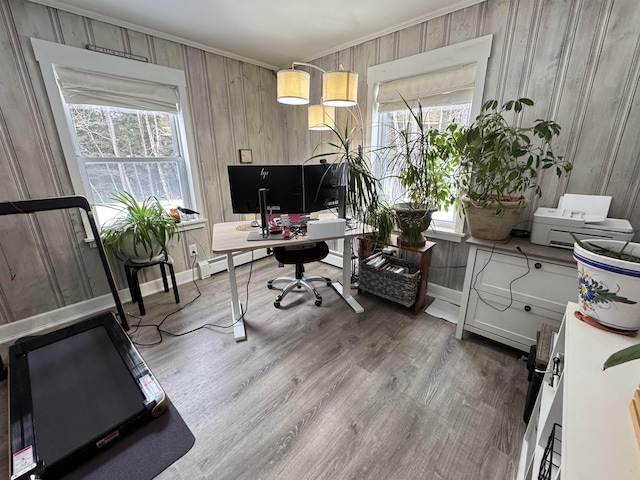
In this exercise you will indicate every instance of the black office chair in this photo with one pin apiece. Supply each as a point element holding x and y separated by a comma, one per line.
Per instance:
<point>298,255</point>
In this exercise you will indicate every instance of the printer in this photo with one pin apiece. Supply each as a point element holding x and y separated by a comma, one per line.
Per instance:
<point>583,215</point>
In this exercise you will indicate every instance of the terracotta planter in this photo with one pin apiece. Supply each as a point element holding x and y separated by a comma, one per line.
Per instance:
<point>485,223</point>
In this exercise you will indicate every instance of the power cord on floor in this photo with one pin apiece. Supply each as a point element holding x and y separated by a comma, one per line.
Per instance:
<point>162,332</point>
<point>473,286</point>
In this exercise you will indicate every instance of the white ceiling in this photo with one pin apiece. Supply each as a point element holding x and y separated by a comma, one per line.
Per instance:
<point>269,33</point>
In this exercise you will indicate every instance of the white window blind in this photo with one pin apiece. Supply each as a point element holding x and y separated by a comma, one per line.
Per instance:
<point>453,86</point>
<point>84,88</point>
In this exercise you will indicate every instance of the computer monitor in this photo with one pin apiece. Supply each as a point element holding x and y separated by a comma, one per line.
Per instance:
<point>321,186</point>
<point>283,184</point>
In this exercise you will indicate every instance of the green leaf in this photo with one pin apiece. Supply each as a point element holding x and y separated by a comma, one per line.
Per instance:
<point>490,105</point>
<point>622,356</point>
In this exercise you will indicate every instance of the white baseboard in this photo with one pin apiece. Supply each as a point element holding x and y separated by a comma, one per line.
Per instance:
<point>444,293</point>
<point>211,266</point>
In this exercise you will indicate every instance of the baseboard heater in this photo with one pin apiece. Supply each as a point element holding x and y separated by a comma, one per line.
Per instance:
<point>209,267</point>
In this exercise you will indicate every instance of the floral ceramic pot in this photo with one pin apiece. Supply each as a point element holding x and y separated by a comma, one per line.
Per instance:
<point>609,288</point>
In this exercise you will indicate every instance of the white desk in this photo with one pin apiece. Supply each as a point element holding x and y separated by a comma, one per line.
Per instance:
<point>228,239</point>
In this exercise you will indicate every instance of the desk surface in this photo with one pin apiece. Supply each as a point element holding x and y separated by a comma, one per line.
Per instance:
<point>227,238</point>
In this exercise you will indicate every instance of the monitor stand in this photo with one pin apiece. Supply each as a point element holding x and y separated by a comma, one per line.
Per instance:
<point>263,234</point>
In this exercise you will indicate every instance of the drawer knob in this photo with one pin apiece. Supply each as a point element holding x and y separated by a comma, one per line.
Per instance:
<point>527,308</point>
<point>538,265</point>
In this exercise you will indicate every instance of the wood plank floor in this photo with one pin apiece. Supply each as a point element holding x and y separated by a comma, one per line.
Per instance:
<point>324,393</point>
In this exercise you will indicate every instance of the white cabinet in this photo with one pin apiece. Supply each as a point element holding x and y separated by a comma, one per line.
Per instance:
<point>597,440</point>
<point>512,288</point>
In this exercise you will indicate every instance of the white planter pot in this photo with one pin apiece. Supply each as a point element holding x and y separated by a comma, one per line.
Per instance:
<point>138,253</point>
<point>608,288</point>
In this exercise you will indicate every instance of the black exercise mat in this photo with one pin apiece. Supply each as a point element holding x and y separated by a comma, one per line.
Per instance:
<point>143,453</point>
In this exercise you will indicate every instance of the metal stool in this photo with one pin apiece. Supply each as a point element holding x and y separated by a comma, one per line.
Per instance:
<point>131,270</point>
<point>299,255</point>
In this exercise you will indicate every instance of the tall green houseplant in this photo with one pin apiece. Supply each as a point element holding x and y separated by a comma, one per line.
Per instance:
<point>361,185</point>
<point>425,161</point>
<point>503,162</point>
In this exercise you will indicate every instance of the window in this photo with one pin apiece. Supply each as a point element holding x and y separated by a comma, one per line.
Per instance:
<point>126,149</point>
<point>437,117</point>
<point>449,83</point>
<point>123,125</point>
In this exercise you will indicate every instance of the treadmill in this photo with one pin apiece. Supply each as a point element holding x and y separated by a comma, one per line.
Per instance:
<point>75,390</point>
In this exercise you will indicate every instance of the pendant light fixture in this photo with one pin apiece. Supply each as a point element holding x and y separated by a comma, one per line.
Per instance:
<point>340,88</point>
<point>293,87</point>
<point>321,117</point>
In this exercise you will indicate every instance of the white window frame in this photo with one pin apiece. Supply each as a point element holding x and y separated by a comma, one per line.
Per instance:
<point>51,55</point>
<point>475,51</point>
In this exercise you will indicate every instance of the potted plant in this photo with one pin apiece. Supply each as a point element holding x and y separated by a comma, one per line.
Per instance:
<point>609,282</point>
<point>425,161</point>
<point>360,184</point>
<point>142,233</point>
<point>503,161</point>
<point>381,217</point>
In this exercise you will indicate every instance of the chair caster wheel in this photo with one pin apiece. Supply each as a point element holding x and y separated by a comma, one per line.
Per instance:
<point>329,284</point>
<point>318,303</point>
<point>269,286</point>
<point>276,304</point>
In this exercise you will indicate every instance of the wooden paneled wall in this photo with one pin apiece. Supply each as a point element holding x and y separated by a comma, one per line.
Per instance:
<point>233,107</point>
<point>579,60</point>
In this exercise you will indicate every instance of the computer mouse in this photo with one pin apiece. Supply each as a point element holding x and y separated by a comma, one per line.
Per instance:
<point>255,223</point>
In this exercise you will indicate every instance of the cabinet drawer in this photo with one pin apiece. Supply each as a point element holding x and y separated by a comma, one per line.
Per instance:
<point>546,284</point>
<point>516,325</point>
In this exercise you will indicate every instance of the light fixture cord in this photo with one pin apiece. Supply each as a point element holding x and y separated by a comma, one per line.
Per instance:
<point>302,64</point>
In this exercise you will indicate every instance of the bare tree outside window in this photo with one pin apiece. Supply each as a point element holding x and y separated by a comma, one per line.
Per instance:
<point>125,149</point>
<point>437,117</point>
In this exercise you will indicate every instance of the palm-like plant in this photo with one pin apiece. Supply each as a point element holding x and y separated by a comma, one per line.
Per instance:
<point>146,224</point>
<point>361,185</point>
<point>425,159</point>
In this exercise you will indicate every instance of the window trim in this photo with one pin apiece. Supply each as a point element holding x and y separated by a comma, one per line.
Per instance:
<point>476,51</point>
<point>50,55</point>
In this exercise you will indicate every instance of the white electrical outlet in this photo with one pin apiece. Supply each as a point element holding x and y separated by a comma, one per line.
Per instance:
<point>193,250</point>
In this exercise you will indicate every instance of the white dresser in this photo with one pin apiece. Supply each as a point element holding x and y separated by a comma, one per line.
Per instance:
<point>597,440</point>
<point>511,289</point>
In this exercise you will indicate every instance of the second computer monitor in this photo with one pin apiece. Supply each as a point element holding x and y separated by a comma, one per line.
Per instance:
<point>321,186</point>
